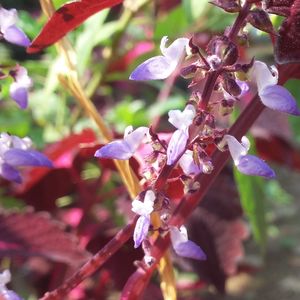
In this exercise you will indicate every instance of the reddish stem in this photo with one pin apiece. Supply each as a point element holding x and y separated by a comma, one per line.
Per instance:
<point>93,264</point>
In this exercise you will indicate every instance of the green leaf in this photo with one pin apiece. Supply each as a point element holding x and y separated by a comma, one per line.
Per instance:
<point>172,25</point>
<point>194,8</point>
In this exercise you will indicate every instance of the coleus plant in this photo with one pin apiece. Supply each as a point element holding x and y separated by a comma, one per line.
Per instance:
<point>198,149</point>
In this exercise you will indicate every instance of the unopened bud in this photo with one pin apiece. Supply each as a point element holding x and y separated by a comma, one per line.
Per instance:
<point>231,6</point>
<point>231,86</point>
<point>207,167</point>
<point>260,20</point>
<point>231,54</point>
<point>149,260</point>
<point>189,71</point>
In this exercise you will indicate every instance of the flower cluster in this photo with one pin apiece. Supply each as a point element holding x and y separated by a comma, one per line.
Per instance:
<point>16,152</point>
<point>196,126</point>
<point>13,34</point>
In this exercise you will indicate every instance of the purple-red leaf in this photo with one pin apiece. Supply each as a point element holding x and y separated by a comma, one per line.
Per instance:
<point>67,18</point>
<point>35,234</point>
<point>288,42</point>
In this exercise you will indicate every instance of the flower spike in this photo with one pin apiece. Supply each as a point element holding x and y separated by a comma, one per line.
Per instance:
<point>162,66</point>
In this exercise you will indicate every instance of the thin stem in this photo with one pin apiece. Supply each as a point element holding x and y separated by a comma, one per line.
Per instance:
<point>93,264</point>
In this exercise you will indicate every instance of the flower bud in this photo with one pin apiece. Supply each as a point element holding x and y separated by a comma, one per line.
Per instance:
<point>231,54</point>
<point>230,86</point>
<point>260,20</point>
<point>231,6</point>
<point>189,71</point>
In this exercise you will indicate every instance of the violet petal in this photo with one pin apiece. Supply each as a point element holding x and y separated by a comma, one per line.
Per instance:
<point>135,138</point>
<point>188,165</point>
<point>157,67</point>
<point>20,95</point>
<point>252,165</point>
<point>279,98</point>
<point>141,230</point>
<point>176,145</point>
<point>19,157</point>
<point>16,36</point>
<point>190,250</point>
<point>10,173</point>
<point>119,149</point>
<point>9,295</point>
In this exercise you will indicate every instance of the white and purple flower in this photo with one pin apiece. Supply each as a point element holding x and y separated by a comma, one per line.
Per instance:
<point>144,209</point>
<point>8,29</point>
<point>5,278</point>
<point>19,88</point>
<point>272,95</point>
<point>183,246</point>
<point>124,149</point>
<point>162,66</point>
<point>181,120</point>
<point>16,152</point>
<point>246,163</point>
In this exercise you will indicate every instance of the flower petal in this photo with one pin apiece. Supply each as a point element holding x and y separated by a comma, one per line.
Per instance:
<point>190,250</point>
<point>175,50</point>
<point>252,165</point>
<point>157,67</point>
<point>141,230</point>
<point>236,148</point>
<point>19,94</point>
<point>7,18</point>
<point>279,98</point>
<point>261,74</point>
<point>176,145</point>
<point>116,150</point>
<point>9,295</point>
<point>135,138</point>
<point>10,173</point>
<point>188,165</point>
<point>19,157</point>
<point>182,119</point>
<point>15,35</point>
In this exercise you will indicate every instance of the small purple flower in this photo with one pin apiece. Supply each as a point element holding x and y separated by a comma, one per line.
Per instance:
<point>182,121</point>
<point>6,294</point>
<point>8,29</point>
<point>15,152</point>
<point>124,149</point>
<point>144,209</point>
<point>183,246</point>
<point>272,95</point>
<point>161,67</point>
<point>188,165</point>
<point>245,163</point>
<point>19,88</point>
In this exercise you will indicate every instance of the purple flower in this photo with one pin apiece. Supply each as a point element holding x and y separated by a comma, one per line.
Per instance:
<point>272,95</point>
<point>6,294</point>
<point>124,149</point>
<point>19,88</point>
<point>9,31</point>
<point>181,120</point>
<point>144,209</point>
<point>245,163</point>
<point>161,67</point>
<point>188,164</point>
<point>184,247</point>
<point>15,152</point>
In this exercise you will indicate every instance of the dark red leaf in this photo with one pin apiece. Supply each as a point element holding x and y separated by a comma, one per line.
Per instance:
<point>67,18</point>
<point>35,234</point>
<point>279,7</point>
<point>288,42</point>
